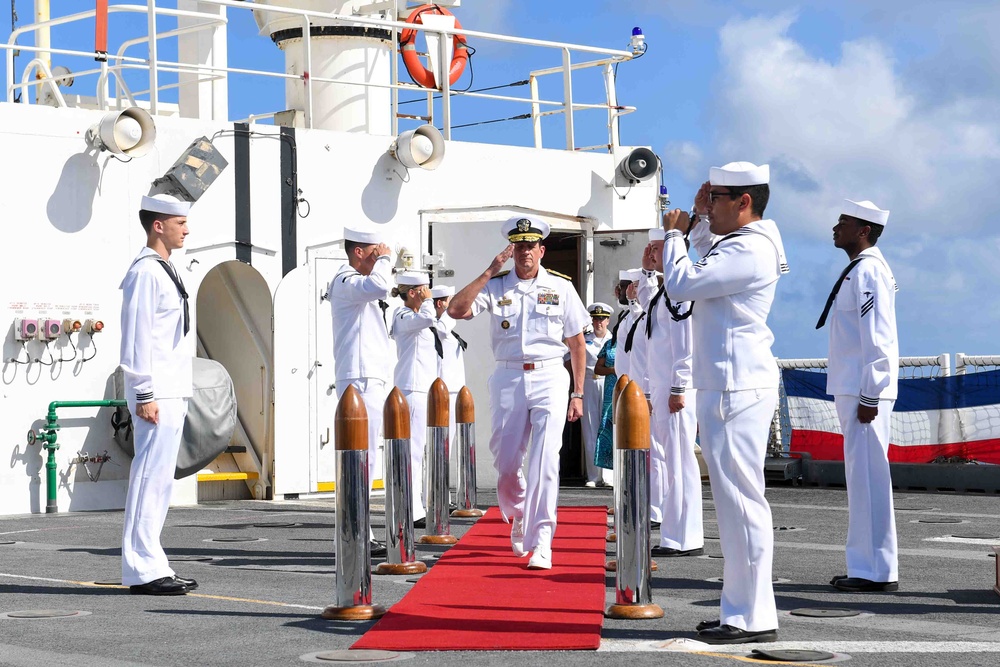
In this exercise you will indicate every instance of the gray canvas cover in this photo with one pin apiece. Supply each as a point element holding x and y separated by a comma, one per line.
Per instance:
<point>211,417</point>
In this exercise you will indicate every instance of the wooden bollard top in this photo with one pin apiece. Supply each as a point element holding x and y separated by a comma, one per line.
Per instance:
<point>465,408</point>
<point>623,381</point>
<point>437,404</point>
<point>632,425</point>
<point>350,426</point>
<point>396,416</point>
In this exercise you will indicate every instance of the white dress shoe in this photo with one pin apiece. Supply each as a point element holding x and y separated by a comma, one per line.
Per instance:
<point>591,485</point>
<point>540,560</point>
<point>517,537</point>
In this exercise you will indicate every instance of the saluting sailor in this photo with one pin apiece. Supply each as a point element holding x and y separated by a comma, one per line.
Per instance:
<point>156,352</point>
<point>593,392</point>
<point>736,377</point>
<point>535,315</point>
<point>862,378</point>
<point>451,362</point>
<point>674,425</point>
<point>637,348</point>
<point>363,355</point>
<point>413,329</point>
<point>623,355</point>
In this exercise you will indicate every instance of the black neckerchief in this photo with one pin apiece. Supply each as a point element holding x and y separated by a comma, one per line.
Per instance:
<point>835,290</point>
<point>179,284</point>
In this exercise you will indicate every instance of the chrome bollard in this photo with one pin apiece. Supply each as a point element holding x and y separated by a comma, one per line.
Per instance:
<point>465,423</point>
<point>619,388</point>
<point>633,594</point>
<point>438,530</point>
<point>399,539</point>
<point>353,551</point>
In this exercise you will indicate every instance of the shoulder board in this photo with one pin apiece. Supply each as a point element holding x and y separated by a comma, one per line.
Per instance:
<point>500,275</point>
<point>559,275</point>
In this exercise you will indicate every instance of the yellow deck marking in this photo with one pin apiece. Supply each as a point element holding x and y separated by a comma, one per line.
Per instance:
<point>327,487</point>
<point>227,476</point>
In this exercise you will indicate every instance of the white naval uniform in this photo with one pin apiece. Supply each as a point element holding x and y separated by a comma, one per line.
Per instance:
<point>737,381</point>
<point>593,404</point>
<point>864,368</point>
<point>362,354</point>
<point>528,405</point>
<point>623,358</point>
<point>416,370</point>
<point>451,369</point>
<point>156,359</point>
<point>673,434</point>
<point>638,364</point>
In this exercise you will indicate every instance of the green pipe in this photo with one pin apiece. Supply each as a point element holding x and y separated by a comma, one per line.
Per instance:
<point>48,437</point>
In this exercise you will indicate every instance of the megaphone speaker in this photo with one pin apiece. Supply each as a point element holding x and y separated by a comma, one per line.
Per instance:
<point>129,132</point>
<point>422,147</point>
<point>639,165</point>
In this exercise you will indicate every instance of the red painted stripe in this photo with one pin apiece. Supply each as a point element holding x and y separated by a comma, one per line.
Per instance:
<point>824,446</point>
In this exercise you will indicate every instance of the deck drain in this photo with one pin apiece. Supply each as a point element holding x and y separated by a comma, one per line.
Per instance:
<point>355,657</point>
<point>276,524</point>
<point>830,612</point>
<point>236,539</point>
<point>33,614</point>
<point>975,536</point>
<point>941,520</point>
<point>790,655</point>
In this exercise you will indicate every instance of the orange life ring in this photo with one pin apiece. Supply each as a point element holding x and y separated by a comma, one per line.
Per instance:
<point>408,46</point>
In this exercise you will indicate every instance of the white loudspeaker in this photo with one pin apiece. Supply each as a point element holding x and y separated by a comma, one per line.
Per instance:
<point>422,147</point>
<point>130,132</point>
<point>639,165</point>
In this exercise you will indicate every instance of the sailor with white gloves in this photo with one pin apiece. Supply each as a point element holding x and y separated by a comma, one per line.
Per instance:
<point>363,355</point>
<point>862,378</point>
<point>736,376</point>
<point>414,330</point>
<point>534,316</point>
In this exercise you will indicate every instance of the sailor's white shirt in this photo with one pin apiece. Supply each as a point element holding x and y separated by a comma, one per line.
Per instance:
<point>361,347</point>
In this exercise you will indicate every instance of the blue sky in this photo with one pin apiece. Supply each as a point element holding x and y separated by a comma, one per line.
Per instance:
<point>891,101</point>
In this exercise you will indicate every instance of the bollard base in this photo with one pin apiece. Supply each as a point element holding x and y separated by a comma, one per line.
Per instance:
<point>634,611</point>
<point>612,565</point>
<point>468,514</point>
<point>361,612</point>
<point>413,567</point>
<point>611,536</point>
<point>437,539</point>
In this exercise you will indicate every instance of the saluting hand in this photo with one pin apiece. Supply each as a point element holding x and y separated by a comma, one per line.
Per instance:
<point>381,250</point>
<point>148,411</point>
<point>701,199</point>
<point>649,258</point>
<point>501,259</point>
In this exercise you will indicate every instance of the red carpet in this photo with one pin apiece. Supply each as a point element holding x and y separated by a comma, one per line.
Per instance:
<point>480,597</point>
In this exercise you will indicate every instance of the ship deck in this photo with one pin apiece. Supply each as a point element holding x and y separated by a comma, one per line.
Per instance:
<point>259,601</point>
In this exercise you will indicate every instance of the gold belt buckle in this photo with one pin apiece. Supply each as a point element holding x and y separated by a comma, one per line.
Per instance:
<point>529,366</point>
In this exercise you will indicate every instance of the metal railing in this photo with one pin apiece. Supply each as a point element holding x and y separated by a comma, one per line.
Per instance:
<point>114,66</point>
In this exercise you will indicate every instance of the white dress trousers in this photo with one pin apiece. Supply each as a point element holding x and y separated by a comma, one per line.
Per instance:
<point>151,480</point>
<point>680,478</point>
<point>871,529</point>
<point>528,411</point>
<point>417,402</point>
<point>734,428</point>
<point>373,392</point>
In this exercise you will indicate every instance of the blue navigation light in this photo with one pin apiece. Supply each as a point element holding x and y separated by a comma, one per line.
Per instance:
<point>636,31</point>
<point>663,191</point>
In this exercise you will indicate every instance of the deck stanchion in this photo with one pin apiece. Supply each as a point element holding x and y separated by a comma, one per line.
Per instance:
<point>401,557</point>
<point>436,461</point>
<point>465,423</point>
<point>354,570</point>
<point>633,594</point>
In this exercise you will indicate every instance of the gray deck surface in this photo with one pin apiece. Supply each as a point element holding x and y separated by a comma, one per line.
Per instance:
<point>259,602</point>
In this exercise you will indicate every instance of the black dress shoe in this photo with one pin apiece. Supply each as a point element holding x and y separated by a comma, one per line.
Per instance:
<point>727,634</point>
<point>705,625</point>
<point>162,586</point>
<point>420,523</point>
<point>667,551</point>
<point>377,548</point>
<point>190,583</point>
<point>859,585</point>
<point>833,582</point>
<point>653,525</point>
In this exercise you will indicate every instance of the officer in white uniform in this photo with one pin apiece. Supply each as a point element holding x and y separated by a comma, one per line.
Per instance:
<point>862,378</point>
<point>363,356</point>
<point>593,393</point>
<point>413,329</point>
<point>451,364</point>
<point>736,377</point>
<point>674,425</point>
<point>535,315</point>
<point>156,352</point>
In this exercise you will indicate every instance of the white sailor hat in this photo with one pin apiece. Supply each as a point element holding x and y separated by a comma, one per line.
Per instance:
<point>442,291</point>
<point>412,278</point>
<point>359,236</point>
<point>166,204</point>
<point>634,275</point>
<point>624,274</point>
<point>524,228</point>
<point>865,210</point>
<point>657,235</point>
<point>598,309</point>
<point>739,174</point>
